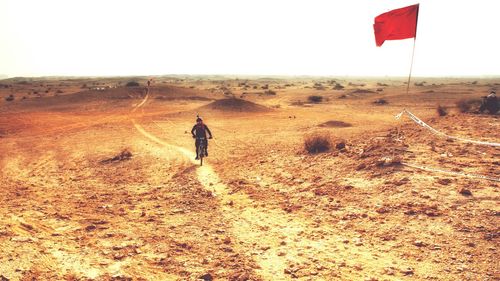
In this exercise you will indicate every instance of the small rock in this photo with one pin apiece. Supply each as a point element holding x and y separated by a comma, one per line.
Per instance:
<point>471,244</point>
<point>464,191</point>
<point>407,271</point>
<point>418,243</point>
<point>90,227</point>
<point>444,181</point>
<point>206,277</point>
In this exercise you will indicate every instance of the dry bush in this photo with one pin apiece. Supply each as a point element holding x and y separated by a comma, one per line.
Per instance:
<point>132,84</point>
<point>318,142</point>
<point>468,105</point>
<point>124,155</point>
<point>381,102</point>
<point>441,110</point>
<point>315,99</point>
<point>338,87</point>
<point>9,98</point>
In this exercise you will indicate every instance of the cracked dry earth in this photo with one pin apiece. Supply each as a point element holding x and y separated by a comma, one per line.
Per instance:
<point>116,194</point>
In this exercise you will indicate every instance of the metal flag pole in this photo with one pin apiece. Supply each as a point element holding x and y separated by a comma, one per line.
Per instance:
<point>411,65</point>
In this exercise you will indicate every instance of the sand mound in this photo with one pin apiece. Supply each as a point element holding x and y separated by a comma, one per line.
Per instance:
<point>234,104</point>
<point>335,124</point>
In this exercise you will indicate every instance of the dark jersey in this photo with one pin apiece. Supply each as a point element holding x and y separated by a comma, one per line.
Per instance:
<point>200,131</point>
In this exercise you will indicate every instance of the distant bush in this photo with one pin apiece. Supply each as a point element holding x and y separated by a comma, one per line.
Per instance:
<point>380,102</point>
<point>338,87</point>
<point>270,93</point>
<point>315,99</point>
<point>132,84</point>
<point>441,110</point>
<point>59,92</point>
<point>9,98</point>
<point>468,105</point>
<point>318,86</point>
<point>317,142</point>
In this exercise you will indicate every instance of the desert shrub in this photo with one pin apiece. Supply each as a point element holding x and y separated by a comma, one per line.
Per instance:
<point>380,102</point>
<point>265,87</point>
<point>132,84</point>
<point>9,98</point>
<point>59,92</point>
<point>270,93</point>
<point>317,142</point>
<point>84,86</point>
<point>338,87</point>
<point>318,86</point>
<point>441,110</point>
<point>468,105</point>
<point>420,84</point>
<point>297,103</point>
<point>315,99</point>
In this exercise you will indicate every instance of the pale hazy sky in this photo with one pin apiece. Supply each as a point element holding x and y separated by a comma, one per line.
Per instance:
<point>302,37</point>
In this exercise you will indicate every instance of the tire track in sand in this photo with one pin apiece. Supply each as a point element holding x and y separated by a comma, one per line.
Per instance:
<point>282,244</point>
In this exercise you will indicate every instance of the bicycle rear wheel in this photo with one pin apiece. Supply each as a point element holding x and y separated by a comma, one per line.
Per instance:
<point>201,153</point>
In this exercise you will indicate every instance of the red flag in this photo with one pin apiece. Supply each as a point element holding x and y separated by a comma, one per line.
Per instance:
<point>396,24</point>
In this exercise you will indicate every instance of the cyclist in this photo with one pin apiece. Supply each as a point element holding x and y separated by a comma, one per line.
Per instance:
<point>199,132</point>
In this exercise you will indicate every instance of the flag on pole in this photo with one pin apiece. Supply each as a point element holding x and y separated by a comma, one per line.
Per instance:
<point>396,24</point>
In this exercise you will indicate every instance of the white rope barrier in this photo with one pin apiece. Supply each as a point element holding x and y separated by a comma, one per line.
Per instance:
<point>423,124</point>
<point>450,172</point>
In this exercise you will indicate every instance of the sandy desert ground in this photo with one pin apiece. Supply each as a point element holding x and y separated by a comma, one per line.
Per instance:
<point>98,180</point>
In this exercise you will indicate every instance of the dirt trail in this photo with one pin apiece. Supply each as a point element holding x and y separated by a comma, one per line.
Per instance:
<point>283,245</point>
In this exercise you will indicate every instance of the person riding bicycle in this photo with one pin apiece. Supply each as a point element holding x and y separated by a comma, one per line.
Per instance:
<point>199,132</point>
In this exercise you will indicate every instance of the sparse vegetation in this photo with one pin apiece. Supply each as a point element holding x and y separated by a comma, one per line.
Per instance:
<point>132,84</point>
<point>468,105</point>
<point>270,93</point>
<point>10,98</point>
<point>380,102</point>
<point>442,111</point>
<point>315,99</point>
<point>318,86</point>
<point>338,87</point>
<point>317,142</point>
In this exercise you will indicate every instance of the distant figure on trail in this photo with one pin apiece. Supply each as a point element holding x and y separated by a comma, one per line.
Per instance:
<point>199,133</point>
<point>490,103</point>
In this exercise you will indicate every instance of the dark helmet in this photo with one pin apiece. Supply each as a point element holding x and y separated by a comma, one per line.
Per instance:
<point>198,119</point>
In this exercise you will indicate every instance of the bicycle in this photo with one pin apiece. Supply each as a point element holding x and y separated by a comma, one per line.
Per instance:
<point>201,149</point>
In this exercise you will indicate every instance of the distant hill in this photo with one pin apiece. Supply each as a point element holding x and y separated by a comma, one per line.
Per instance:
<point>3,76</point>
